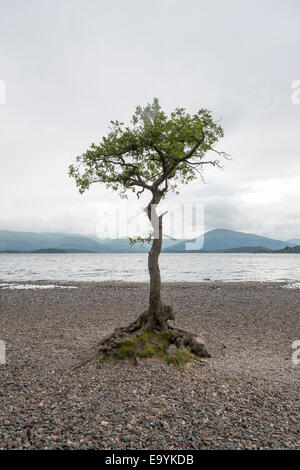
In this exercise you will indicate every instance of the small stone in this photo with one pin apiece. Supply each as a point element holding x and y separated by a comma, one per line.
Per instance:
<point>171,349</point>
<point>199,347</point>
<point>9,443</point>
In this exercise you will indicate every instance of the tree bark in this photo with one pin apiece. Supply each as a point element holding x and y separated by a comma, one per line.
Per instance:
<point>158,312</point>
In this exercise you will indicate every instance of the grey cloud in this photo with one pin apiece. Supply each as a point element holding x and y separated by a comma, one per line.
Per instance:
<point>72,66</point>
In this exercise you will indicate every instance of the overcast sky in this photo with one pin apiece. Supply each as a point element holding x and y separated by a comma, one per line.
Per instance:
<point>70,66</point>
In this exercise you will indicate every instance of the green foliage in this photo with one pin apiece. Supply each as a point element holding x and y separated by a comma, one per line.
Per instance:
<point>100,363</point>
<point>148,351</point>
<point>152,344</point>
<point>180,357</point>
<point>166,337</point>
<point>126,349</point>
<point>155,150</point>
<point>148,344</point>
<point>139,239</point>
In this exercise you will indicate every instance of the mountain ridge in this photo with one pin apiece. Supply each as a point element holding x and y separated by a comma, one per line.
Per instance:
<point>224,239</point>
<point>214,241</point>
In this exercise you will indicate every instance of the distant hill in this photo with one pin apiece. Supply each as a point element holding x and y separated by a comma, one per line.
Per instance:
<point>221,239</point>
<point>260,249</point>
<point>247,249</point>
<point>68,243</point>
<point>218,240</point>
<point>290,249</point>
<point>294,242</point>
<point>30,241</point>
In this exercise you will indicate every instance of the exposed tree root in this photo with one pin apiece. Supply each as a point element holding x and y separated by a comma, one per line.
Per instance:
<point>147,322</point>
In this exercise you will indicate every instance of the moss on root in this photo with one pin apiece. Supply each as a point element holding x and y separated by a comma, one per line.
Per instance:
<point>151,344</point>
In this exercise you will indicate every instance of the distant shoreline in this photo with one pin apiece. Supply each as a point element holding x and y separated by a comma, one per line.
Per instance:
<point>49,284</point>
<point>241,250</point>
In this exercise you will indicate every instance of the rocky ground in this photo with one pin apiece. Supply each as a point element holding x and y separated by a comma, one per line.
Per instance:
<point>245,397</point>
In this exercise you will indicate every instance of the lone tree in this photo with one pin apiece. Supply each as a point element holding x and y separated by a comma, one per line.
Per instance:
<point>155,154</point>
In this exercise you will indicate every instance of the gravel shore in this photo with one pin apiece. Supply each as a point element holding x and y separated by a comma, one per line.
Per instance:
<point>245,397</point>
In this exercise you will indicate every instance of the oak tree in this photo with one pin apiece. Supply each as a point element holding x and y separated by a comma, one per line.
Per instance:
<point>155,154</point>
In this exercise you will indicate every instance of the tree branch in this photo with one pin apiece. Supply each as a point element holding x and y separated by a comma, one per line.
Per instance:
<point>225,155</point>
<point>194,149</point>
<point>162,157</point>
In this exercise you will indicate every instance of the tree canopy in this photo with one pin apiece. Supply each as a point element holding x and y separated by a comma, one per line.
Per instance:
<point>156,152</point>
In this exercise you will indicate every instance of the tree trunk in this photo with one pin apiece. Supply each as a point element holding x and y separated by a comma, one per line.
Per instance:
<point>154,272</point>
<point>158,314</point>
<point>157,317</point>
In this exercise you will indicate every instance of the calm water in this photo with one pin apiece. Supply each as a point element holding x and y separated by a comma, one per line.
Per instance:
<point>133,267</point>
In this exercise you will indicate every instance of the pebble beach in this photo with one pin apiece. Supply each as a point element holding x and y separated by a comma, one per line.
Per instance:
<point>246,396</point>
